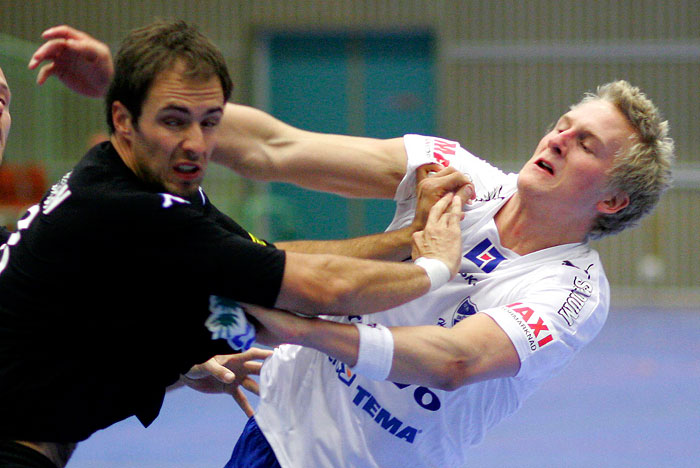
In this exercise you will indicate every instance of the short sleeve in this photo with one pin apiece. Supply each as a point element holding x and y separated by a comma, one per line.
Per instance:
<point>563,311</point>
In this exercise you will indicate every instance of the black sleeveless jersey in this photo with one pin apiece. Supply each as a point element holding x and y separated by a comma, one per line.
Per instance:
<point>103,297</point>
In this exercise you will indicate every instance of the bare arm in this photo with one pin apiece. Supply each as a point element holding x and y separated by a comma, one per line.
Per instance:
<point>390,246</point>
<point>251,142</point>
<point>396,245</point>
<point>474,350</point>
<point>258,146</point>
<point>339,285</point>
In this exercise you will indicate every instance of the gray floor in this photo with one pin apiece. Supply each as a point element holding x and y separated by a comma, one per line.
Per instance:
<point>631,399</point>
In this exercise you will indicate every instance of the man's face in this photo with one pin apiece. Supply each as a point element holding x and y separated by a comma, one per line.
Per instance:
<point>570,164</point>
<point>5,119</point>
<point>176,132</point>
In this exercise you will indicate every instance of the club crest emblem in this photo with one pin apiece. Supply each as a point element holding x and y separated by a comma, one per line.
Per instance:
<point>466,308</point>
<point>227,321</point>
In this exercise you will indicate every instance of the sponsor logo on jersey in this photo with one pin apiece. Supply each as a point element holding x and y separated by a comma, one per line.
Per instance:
<point>442,150</point>
<point>575,301</point>
<point>485,256</point>
<point>569,264</point>
<point>493,194</point>
<point>227,321</point>
<point>169,200</point>
<point>469,278</point>
<point>58,194</point>
<point>536,330</point>
<point>256,240</point>
<point>367,402</point>
<point>465,309</point>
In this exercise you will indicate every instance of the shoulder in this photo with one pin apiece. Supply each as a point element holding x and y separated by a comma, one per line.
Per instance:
<point>101,189</point>
<point>560,307</point>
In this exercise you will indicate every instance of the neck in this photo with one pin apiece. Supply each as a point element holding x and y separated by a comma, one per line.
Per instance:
<point>524,228</point>
<point>122,148</point>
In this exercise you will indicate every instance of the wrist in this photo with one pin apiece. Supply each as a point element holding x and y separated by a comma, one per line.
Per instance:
<point>438,272</point>
<point>298,333</point>
<point>375,352</point>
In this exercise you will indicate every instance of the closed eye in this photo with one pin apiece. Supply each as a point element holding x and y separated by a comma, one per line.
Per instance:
<point>584,146</point>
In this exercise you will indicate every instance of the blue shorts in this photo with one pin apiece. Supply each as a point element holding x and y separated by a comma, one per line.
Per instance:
<point>252,449</point>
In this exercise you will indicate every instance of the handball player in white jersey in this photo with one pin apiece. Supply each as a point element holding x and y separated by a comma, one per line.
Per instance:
<point>428,382</point>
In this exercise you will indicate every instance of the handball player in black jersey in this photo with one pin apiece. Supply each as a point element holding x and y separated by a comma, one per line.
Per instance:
<point>125,259</point>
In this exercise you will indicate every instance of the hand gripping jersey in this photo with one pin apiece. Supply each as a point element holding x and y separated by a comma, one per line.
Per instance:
<point>104,276</point>
<point>315,412</point>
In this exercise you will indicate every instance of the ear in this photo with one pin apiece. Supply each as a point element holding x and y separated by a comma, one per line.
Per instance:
<point>614,203</point>
<point>121,118</point>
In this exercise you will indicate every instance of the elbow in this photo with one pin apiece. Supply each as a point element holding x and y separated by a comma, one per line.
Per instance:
<point>451,375</point>
<point>251,162</point>
<point>314,285</point>
<point>334,296</point>
<point>327,295</point>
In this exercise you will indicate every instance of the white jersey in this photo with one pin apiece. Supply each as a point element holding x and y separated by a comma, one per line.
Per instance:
<point>316,413</point>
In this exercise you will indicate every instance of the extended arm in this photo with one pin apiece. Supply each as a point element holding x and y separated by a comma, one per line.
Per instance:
<point>475,349</point>
<point>433,183</point>
<point>339,285</point>
<point>258,146</point>
<point>251,142</point>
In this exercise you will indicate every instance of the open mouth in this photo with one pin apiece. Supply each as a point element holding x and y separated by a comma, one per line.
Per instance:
<point>187,169</point>
<point>544,165</point>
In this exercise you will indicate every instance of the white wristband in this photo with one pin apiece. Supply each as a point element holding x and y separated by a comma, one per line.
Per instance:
<point>376,351</point>
<point>436,270</point>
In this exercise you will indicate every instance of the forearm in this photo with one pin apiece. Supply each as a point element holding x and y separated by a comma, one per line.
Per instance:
<point>423,355</point>
<point>433,356</point>
<point>392,246</point>
<point>338,285</point>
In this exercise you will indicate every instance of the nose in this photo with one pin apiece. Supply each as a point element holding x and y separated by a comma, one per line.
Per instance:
<point>194,143</point>
<point>560,141</point>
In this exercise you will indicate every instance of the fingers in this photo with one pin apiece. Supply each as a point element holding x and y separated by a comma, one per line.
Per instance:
<point>456,210</point>
<point>251,385</point>
<point>45,72</point>
<point>427,170</point>
<point>64,32</point>
<point>467,192</point>
<point>47,51</point>
<point>258,353</point>
<point>242,401</point>
<point>445,180</point>
<point>439,208</point>
<point>214,368</point>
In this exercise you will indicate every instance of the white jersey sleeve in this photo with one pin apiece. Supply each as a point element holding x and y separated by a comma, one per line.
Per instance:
<point>422,150</point>
<point>561,311</point>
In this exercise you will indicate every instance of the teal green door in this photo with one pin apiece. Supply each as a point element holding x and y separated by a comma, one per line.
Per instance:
<point>378,86</point>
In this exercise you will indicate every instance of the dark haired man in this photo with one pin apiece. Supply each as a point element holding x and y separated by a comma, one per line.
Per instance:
<point>125,258</point>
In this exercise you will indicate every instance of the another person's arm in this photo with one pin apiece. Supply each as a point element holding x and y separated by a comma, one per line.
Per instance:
<point>258,146</point>
<point>252,143</point>
<point>433,182</point>
<point>337,285</point>
<point>475,349</point>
